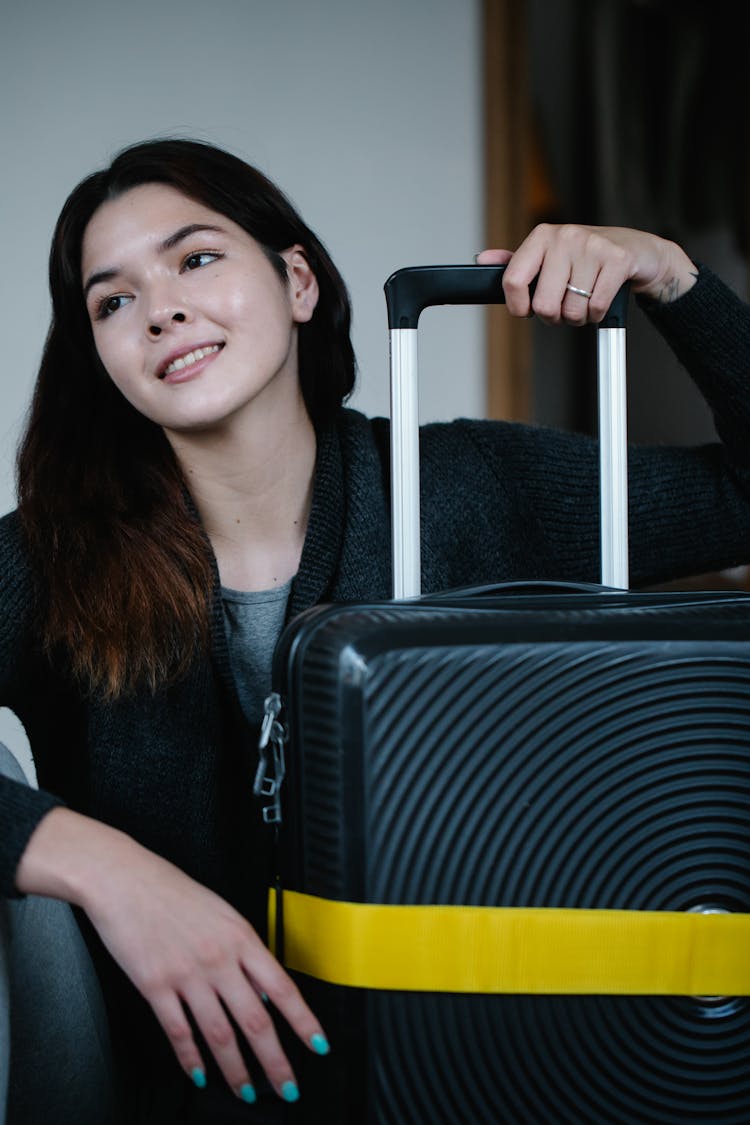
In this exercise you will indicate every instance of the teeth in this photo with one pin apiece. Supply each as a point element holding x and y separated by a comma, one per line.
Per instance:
<point>191,357</point>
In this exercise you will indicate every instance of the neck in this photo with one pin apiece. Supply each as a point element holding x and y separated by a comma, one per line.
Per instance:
<point>252,485</point>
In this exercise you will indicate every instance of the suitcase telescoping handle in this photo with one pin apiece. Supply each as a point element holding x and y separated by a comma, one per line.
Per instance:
<point>408,292</point>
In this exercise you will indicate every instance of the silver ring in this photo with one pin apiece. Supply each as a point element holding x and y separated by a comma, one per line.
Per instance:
<point>581,292</point>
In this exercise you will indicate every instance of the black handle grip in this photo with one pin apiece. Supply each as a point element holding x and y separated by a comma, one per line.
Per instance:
<point>408,291</point>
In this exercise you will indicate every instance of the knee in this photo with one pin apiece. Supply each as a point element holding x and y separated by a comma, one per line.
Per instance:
<point>9,766</point>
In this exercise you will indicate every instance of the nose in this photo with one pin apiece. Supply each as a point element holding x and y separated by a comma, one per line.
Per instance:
<point>159,320</point>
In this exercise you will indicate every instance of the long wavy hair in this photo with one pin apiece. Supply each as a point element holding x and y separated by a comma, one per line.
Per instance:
<point>126,570</point>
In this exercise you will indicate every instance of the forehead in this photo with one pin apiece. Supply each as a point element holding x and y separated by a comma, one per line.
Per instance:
<point>139,220</point>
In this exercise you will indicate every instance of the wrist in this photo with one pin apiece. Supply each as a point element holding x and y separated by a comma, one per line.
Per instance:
<point>677,274</point>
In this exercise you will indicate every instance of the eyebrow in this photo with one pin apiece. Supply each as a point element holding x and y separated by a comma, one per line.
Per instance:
<point>169,243</point>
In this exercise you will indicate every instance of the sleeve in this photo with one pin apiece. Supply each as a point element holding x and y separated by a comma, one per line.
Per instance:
<point>21,806</point>
<point>709,331</point>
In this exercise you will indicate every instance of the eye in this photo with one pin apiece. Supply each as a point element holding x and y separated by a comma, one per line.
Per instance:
<point>203,258</point>
<point>109,305</point>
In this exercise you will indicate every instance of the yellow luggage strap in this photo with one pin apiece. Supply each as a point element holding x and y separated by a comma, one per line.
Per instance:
<point>515,949</point>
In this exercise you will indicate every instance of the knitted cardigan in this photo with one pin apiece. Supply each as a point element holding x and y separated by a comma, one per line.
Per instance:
<point>500,502</point>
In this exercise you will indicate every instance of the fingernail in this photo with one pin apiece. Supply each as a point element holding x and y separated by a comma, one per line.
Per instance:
<point>319,1044</point>
<point>247,1093</point>
<point>290,1092</point>
<point>198,1076</point>
<point>475,256</point>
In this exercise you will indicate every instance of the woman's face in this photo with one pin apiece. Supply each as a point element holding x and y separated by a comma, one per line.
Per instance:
<point>190,319</point>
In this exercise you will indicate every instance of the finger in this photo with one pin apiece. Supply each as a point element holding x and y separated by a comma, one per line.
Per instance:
<point>171,1015</point>
<point>544,259</point>
<point>599,265</point>
<point>608,284</point>
<point>522,270</point>
<point>288,1000</point>
<point>559,255</point>
<point>254,1022</point>
<point>493,257</point>
<point>551,293</point>
<point>212,1019</point>
<point>575,309</point>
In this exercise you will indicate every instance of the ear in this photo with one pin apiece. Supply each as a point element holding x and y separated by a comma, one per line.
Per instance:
<point>303,284</point>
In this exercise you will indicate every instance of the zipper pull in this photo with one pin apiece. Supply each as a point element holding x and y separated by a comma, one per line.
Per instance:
<point>271,764</point>
<point>271,711</point>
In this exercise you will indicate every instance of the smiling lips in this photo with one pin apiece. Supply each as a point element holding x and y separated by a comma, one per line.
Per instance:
<point>189,359</point>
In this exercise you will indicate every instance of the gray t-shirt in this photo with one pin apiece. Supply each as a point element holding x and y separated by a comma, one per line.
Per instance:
<point>254,619</point>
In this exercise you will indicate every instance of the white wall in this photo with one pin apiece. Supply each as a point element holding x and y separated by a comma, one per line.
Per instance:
<point>367,114</point>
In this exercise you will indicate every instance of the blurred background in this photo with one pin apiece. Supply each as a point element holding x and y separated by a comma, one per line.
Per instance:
<point>406,132</point>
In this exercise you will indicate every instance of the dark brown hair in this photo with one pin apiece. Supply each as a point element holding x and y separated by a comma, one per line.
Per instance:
<point>125,567</point>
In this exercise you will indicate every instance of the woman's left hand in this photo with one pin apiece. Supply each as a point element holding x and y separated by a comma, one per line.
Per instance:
<point>594,261</point>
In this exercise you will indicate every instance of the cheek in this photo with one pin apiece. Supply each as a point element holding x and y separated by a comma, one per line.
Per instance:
<point>255,301</point>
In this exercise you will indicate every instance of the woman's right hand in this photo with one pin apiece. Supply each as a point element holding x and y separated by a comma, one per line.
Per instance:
<point>183,947</point>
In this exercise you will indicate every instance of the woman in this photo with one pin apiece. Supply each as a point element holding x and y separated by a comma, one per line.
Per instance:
<point>188,480</point>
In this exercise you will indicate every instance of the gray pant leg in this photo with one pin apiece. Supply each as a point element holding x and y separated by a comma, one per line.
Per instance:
<point>53,1027</point>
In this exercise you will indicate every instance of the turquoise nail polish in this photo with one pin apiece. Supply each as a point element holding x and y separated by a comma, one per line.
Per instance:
<point>199,1077</point>
<point>289,1092</point>
<point>319,1044</point>
<point>247,1093</point>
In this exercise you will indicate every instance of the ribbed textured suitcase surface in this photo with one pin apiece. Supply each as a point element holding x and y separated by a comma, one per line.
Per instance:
<point>587,752</point>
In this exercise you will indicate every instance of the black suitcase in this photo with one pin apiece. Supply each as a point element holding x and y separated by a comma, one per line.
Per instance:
<point>513,828</point>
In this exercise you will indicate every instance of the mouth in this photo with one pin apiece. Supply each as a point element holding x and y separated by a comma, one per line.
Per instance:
<point>187,359</point>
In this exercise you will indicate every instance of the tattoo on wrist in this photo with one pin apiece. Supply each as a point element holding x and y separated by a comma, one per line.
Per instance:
<point>670,291</point>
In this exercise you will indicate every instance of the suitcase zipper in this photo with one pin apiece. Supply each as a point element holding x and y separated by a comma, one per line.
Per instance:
<point>271,770</point>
